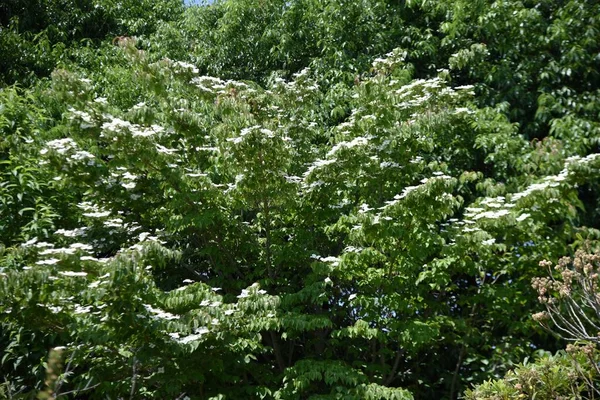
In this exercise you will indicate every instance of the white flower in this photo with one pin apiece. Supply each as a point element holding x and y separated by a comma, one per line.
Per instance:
<point>364,208</point>
<point>98,214</point>
<point>335,261</point>
<point>113,223</point>
<point>489,242</point>
<point>352,297</point>
<point>184,65</point>
<point>82,155</point>
<point>116,125</point>
<point>328,280</point>
<point>61,250</point>
<point>50,261</point>
<point>128,186</point>
<point>491,214</point>
<point>71,233</point>
<point>30,242</point>
<point>523,217</point>
<point>129,176</point>
<point>144,236</point>
<point>189,338</point>
<point>318,164</point>
<point>72,273</point>
<point>160,314</point>
<point>358,141</point>
<point>389,164</point>
<point>81,246</point>
<point>55,309</point>
<point>164,150</point>
<point>405,192</point>
<point>79,309</point>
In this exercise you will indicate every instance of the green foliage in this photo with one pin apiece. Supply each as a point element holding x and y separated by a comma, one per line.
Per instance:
<point>25,209</point>
<point>37,36</point>
<point>566,375</point>
<point>305,199</point>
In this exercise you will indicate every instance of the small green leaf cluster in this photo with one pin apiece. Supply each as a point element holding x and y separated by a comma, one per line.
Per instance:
<point>307,199</point>
<point>567,374</point>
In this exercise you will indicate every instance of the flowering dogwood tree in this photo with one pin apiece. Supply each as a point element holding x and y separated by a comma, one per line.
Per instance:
<point>286,209</point>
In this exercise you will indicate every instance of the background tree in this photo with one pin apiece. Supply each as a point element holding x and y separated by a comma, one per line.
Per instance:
<point>309,199</point>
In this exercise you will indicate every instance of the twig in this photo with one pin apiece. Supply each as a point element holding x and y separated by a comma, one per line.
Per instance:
<point>60,380</point>
<point>133,378</point>
<point>80,390</point>
<point>392,374</point>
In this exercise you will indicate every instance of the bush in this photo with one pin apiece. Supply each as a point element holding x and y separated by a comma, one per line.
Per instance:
<point>570,374</point>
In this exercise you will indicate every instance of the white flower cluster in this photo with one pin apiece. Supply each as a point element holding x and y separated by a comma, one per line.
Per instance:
<point>72,273</point>
<point>183,66</point>
<point>358,141</point>
<point>165,150</point>
<point>391,59</point>
<point>389,164</point>
<point>61,146</point>
<point>553,181</point>
<point>68,145</point>
<point>77,232</point>
<point>300,88</point>
<point>496,207</point>
<point>157,313</point>
<point>49,261</point>
<point>334,261</point>
<point>549,181</point>
<point>117,125</point>
<point>92,210</point>
<point>209,303</point>
<point>419,91</point>
<point>197,335</point>
<point>113,223</point>
<point>83,155</point>
<point>353,249</point>
<point>492,208</point>
<point>34,242</point>
<point>81,115</point>
<point>79,309</point>
<point>128,180</point>
<point>210,84</point>
<point>317,165</point>
<point>99,282</point>
<point>72,249</point>
<point>256,130</point>
<point>410,189</point>
<point>252,290</point>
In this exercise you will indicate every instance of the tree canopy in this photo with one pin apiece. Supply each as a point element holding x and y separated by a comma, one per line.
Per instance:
<point>305,199</point>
